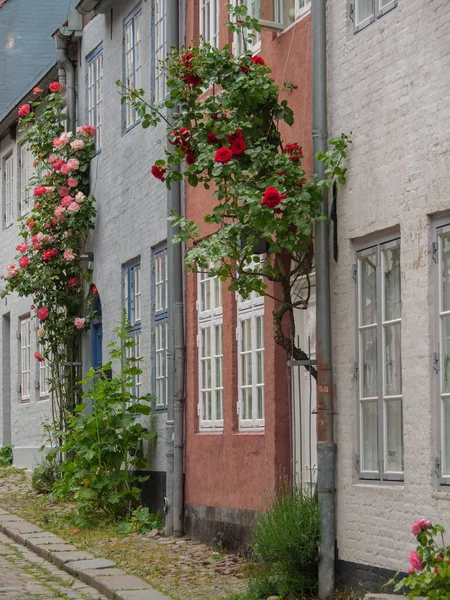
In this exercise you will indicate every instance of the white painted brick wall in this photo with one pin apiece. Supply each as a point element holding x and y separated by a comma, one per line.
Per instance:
<point>389,85</point>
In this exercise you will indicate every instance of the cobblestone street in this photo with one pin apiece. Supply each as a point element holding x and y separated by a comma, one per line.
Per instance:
<point>25,576</point>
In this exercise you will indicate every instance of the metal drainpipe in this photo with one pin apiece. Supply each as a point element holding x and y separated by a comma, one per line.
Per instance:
<point>326,448</point>
<point>66,77</point>
<point>176,350</point>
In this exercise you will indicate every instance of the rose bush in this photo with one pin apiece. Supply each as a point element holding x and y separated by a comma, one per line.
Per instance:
<point>223,114</point>
<point>429,570</point>
<point>54,234</point>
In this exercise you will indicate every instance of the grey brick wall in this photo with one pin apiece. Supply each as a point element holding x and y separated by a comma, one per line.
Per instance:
<point>388,85</point>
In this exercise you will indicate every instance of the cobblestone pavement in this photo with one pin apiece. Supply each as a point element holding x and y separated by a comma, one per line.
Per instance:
<point>25,576</point>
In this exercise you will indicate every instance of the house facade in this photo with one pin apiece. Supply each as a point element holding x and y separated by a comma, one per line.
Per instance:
<point>388,71</point>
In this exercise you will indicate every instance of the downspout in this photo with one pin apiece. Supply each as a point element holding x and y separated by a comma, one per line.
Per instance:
<point>66,77</point>
<point>176,350</point>
<point>326,448</point>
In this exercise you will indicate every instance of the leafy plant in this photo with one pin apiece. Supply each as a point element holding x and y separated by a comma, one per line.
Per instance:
<point>45,475</point>
<point>286,542</point>
<point>429,571</point>
<point>6,455</point>
<point>229,141</point>
<point>141,521</point>
<point>104,447</point>
<point>54,232</point>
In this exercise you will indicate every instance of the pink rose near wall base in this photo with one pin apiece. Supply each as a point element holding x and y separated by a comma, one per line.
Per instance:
<point>49,269</point>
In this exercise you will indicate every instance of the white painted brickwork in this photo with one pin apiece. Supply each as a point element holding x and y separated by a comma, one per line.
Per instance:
<point>389,85</point>
<point>131,219</point>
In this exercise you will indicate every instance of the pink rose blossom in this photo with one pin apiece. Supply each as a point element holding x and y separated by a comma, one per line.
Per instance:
<point>73,207</point>
<point>52,158</point>
<point>59,210</point>
<point>42,313</point>
<point>65,169</point>
<point>66,135</point>
<point>79,323</point>
<point>59,142</point>
<point>38,356</point>
<point>420,525</point>
<point>66,201</point>
<point>411,571</point>
<point>71,182</point>
<point>77,145</point>
<point>86,130</point>
<point>40,332</point>
<point>56,166</point>
<point>73,164</point>
<point>69,255</point>
<point>24,262</point>
<point>63,191</point>
<point>22,247</point>
<point>11,271</point>
<point>80,197</point>
<point>414,561</point>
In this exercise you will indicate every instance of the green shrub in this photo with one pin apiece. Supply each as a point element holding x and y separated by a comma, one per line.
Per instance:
<point>104,448</point>
<point>141,521</point>
<point>286,542</point>
<point>6,455</point>
<point>45,475</point>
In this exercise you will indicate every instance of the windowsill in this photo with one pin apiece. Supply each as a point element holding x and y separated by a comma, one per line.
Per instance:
<point>160,409</point>
<point>442,494</point>
<point>249,431</point>
<point>8,226</point>
<point>43,398</point>
<point>131,127</point>
<point>209,432</point>
<point>387,485</point>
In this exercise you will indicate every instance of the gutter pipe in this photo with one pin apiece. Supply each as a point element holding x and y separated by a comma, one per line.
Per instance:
<point>176,348</point>
<point>66,77</point>
<point>326,448</point>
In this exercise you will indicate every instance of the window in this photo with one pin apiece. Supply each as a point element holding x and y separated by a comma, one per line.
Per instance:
<point>209,21</point>
<point>160,48</point>
<point>160,324</point>
<point>26,173</point>
<point>25,358</point>
<point>210,352</point>
<point>250,338</point>
<point>380,367</point>
<point>443,412</point>
<point>44,375</point>
<point>132,303</point>
<point>133,61</point>
<point>364,12</point>
<point>8,182</point>
<point>95,93</point>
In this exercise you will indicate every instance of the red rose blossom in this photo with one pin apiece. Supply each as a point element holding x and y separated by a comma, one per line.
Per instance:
<point>56,166</point>
<point>55,87</point>
<point>37,90</point>
<point>42,313</point>
<point>24,110</point>
<point>212,138</point>
<point>158,172</point>
<point>94,289</point>
<point>235,136</point>
<point>257,60</point>
<point>190,158</point>
<point>24,262</point>
<point>186,59</point>
<point>40,190</point>
<point>191,79</point>
<point>271,197</point>
<point>238,146</point>
<point>49,254</point>
<point>294,151</point>
<point>38,356</point>
<point>73,282</point>
<point>244,69</point>
<point>223,155</point>
<point>31,223</point>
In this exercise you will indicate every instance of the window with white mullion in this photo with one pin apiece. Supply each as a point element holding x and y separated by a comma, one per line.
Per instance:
<point>380,377</point>
<point>132,307</point>
<point>443,411</point>
<point>364,12</point>
<point>26,173</point>
<point>210,352</point>
<point>133,61</point>
<point>95,93</point>
<point>160,49</point>
<point>209,21</point>
<point>44,376</point>
<point>25,359</point>
<point>8,178</point>
<point>251,369</point>
<point>160,303</point>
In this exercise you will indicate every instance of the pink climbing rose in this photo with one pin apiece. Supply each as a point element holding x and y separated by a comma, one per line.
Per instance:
<point>79,323</point>
<point>414,561</point>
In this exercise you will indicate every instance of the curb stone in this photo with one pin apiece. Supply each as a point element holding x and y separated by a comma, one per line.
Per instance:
<point>99,573</point>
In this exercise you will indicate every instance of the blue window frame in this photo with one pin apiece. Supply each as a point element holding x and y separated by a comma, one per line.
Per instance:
<point>97,333</point>
<point>132,305</point>
<point>94,74</point>
<point>132,60</point>
<point>160,312</point>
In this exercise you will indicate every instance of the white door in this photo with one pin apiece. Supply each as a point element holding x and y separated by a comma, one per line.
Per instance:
<point>304,436</point>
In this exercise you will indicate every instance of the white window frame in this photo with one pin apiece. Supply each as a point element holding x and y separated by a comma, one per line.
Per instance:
<point>161,314</point>
<point>9,189</point>
<point>381,399</point>
<point>26,173</point>
<point>25,359</point>
<point>44,376</point>
<point>132,33</point>
<point>443,436</point>
<point>210,318</point>
<point>209,21</point>
<point>95,93</point>
<point>132,304</point>
<point>378,10</point>
<point>160,49</point>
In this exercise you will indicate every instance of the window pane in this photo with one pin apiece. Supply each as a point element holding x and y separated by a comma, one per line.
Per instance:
<point>364,10</point>
<point>445,367</point>
<point>368,343</point>
<point>445,271</point>
<point>368,292</point>
<point>392,360</point>
<point>391,281</point>
<point>394,435</point>
<point>446,436</point>
<point>369,436</point>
